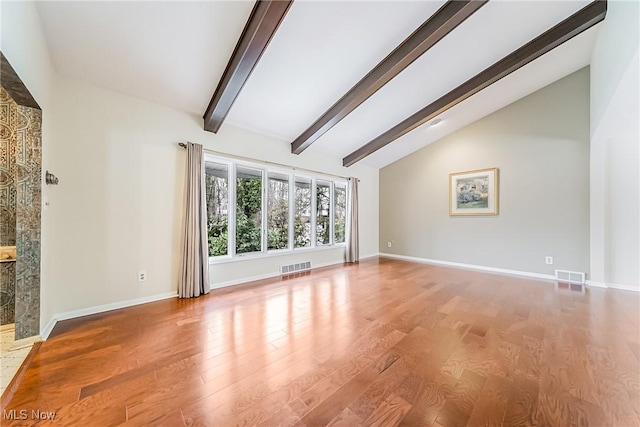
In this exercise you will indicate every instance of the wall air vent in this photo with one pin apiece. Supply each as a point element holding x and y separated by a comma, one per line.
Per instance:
<point>570,276</point>
<point>294,268</point>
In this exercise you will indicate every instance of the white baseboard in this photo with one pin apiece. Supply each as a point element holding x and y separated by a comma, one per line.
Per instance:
<point>505,271</point>
<point>44,333</point>
<point>101,309</point>
<point>595,284</point>
<point>623,287</point>
<point>471,267</point>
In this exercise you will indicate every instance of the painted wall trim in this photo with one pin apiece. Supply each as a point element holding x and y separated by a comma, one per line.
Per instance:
<point>471,266</point>
<point>44,333</point>
<point>102,308</point>
<point>505,271</point>
<point>622,287</point>
<point>595,284</point>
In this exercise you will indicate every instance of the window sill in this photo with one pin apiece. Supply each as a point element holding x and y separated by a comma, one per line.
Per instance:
<point>276,253</point>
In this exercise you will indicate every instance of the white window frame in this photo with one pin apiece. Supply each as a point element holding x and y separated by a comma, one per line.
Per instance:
<point>331,204</point>
<point>232,165</point>
<point>231,228</point>
<point>289,174</point>
<point>311,214</point>
<point>333,216</point>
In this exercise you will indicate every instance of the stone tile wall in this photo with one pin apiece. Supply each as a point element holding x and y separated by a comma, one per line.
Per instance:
<point>23,171</point>
<point>8,173</point>
<point>28,202</point>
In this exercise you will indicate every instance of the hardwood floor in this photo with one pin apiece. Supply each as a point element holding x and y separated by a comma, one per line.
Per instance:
<point>382,343</point>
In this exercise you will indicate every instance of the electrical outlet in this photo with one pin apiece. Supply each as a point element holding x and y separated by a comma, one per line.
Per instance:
<point>548,260</point>
<point>142,276</point>
<point>389,244</point>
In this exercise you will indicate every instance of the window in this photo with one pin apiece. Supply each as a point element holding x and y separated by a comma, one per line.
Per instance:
<point>278,212</point>
<point>340,212</point>
<point>254,209</point>
<point>302,219</point>
<point>248,210</point>
<point>323,209</point>
<point>217,186</point>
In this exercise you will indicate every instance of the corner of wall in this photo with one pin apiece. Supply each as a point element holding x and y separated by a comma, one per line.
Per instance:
<point>23,42</point>
<point>615,137</point>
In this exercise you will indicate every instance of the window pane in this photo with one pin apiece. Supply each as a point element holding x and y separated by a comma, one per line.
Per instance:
<point>323,219</point>
<point>217,186</point>
<point>302,220</point>
<point>278,212</point>
<point>340,210</point>
<point>248,210</point>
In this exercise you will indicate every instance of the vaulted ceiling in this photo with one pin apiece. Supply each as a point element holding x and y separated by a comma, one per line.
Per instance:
<point>175,53</point>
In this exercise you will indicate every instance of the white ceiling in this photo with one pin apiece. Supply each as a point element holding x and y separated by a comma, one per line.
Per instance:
<point>174,53</point>
<point>171,53</point>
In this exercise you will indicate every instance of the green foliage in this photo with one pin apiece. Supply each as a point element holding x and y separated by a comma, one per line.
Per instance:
<point>340,206</point>
<point>277,238</point>
<point>302,219</point>
<point>301,232</point>
<point>278,221</point>
<point>247,234</point>
<point>323,230</point>
<point>323,224</point>
<point>340,230</point>
<point>218,237</point>
<point>217,221</point>
<point>248,215</point>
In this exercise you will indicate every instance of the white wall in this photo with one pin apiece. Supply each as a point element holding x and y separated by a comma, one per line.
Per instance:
<point>23,44</point>
<point>615,138</point>
<point>117,209</point>
<point>540,144</point>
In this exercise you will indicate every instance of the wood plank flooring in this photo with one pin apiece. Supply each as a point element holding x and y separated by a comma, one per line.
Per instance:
<point>381,343</point>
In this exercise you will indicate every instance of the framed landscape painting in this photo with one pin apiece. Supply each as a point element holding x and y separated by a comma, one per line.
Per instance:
<point>474,192</point>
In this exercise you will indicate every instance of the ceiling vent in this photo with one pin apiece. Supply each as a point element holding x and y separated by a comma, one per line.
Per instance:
<point>570,276</point>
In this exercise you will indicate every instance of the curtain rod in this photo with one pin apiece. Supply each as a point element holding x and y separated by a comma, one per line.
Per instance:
<point>183,145</point>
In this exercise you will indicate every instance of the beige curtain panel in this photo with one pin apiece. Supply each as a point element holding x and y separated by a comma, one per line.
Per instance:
<point>194,275</point>
<point>352,249</point>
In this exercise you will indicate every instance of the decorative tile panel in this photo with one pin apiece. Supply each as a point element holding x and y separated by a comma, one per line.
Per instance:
<point>8,168</point>
<point>20,201</point>
<point>28,203</point>
<point>7,292</point>
<point>8,173</point>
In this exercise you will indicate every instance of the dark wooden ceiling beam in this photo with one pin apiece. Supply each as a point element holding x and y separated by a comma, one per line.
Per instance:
<point>582,20</point>
<point>14,86</point>
<point>263,23</point>
<point>441,23</point>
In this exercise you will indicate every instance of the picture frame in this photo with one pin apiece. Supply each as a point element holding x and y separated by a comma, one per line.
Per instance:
<point>473,192</point>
